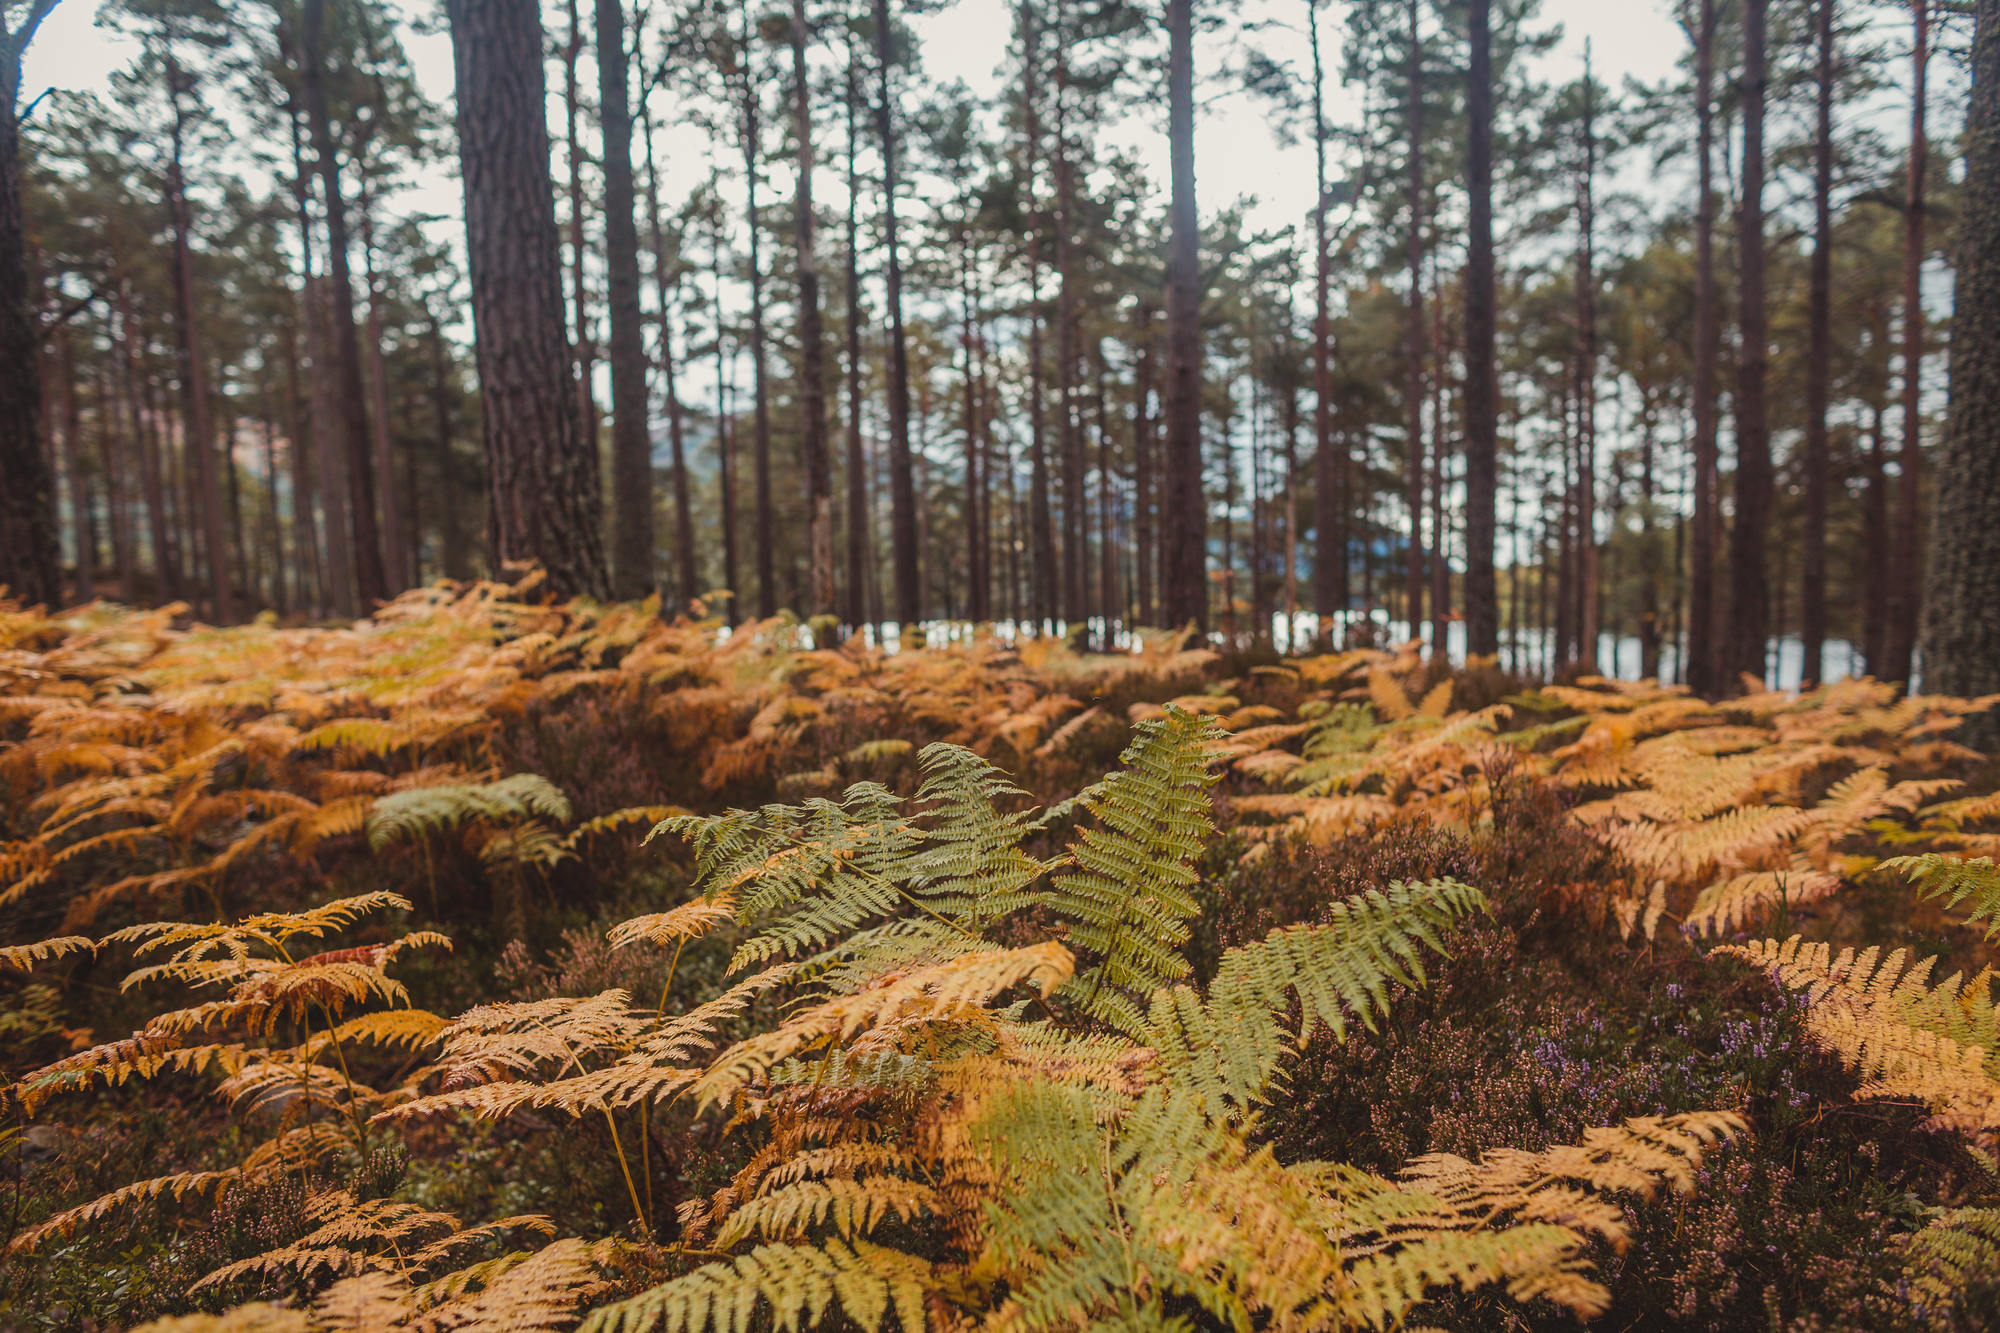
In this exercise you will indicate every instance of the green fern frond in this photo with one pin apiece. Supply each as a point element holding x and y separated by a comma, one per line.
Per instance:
<point>406,815</point>
<point>1958,1250</point>
<point>798,1284</point>
<point>1128,899</point>
<point>1955,879</point>
<point>1228,1048</point>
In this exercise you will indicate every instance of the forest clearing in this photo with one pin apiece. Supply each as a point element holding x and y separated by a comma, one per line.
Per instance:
<point>999,666</point>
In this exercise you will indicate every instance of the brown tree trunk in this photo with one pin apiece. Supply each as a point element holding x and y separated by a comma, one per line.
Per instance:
<point>1062,225</point>
<point>349,426</point>
<point>724,446</point>
<point>1750,612</point>
<point>1413,340</point>
<point>975,533</point>
<point>1704,671</point>
<point>1330,498</point>
<point>193,368</point>
<point>583,350</point>
<point>1144,485</point>
<point>542,502</point>
<point>454,549</point>
<point>812,354</point>
<point>83,519</point>
<point>765,529</point>
<point>1184,572</point>
<point>858,528</point>
<point>117,495</point>
<point>902,494</point>
<point>398,533</point>
<point>1042,570</point>
<point>30,549</point>
<point>1961,641</point>
<point>1586,387</point>
<point>631,439</point>
<point>666,280</point>
<point>1482,417</point>
<point>1819,358</point>
<point>1906,573</point>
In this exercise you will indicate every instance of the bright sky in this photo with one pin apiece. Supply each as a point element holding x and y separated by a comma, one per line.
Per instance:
<point>1236,156</point>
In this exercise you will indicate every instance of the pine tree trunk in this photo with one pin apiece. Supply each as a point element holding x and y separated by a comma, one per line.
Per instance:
<point>30,548</point>
<point>1413,340</point>
<point>192,362</point>
<point>902,493</point>
<point>812,354</point>
<point>1819,357</point>
<point>117,495</point>
<point>542,501</point>
<point>1330,498</point>
<point>397,531</point>
<point>348,425</point>
<point>583,349</point>
<point>1062,226</point>
<point>337,590</point>
<point>1961,640</point>
<point>631,436</point>
<point>666,280</point>
<point>1906,574</point>
<point>1704,673</point>
<point>1184,573</point>
<point>1750,612</point>
<point>725,463</point>
<point>1586,388</point>
<point>454,554</point>
<point>1144,485</point>
<point>1043,587</point>
<point>1482,420</point>
<point>975,534</point>
<point>858,527</point>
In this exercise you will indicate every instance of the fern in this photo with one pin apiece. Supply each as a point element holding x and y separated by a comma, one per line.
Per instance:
<point>797,1284</point>
<point>1128,898</point>
<point>1957,1251</point>
<point>408,815</point>
<point>1955,880</point>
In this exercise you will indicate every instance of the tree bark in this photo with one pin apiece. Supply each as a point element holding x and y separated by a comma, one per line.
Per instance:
<point>542,500</point>
<point>1819,359</point>
<point>1184,563</point>
<point>1586,387</point>
<point>858,528</point>
<point>349,424</point>
<point>1704,673</point>
<point>398,532</point>
<point>1330,498</point>
<point>812,354</point>
<point>666,281</point>
<point>1906,574</point>
<point>1482,420</point>
<point>30,549</point>
<point>902,494</point>
<point>192,360</point>
<point>725,464</point>
<point>1413,339</point>
<point>631,437</point>
<point>1749,593</point>
<point>583,350</point>
<point>1144,485</point>
<point>1961,639</point>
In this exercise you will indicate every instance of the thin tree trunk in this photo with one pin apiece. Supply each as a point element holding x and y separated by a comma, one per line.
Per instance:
<point>666,280</point>
<point>902,496</point>
<point>1586,395</point>
<point>454,553</point>
<point>1413,342</point>
<point>1062,225</point>
<point>975,534</point>
<point>631,438</point>
<point>542,498</point>
<point>1107,546</point>
<point>1482,409</point>
<point>583,350</point>
<point>765,529</point>
<point>1819,357</point>
<point>858,531</point>
<point>397,532</point>
<point>724,447</point>
<point>1330,498</point>
<point>145,433</point>
<point>1704,673</point>
<point>1961,642</point>
<point>1184,573</point>
<point>1750,613</point>
<point>117,495</point>
<point>1145,534</point>
<point>349,426</point>
<point>1906,574</point>
<point>1874,540</point>
<point>83,519</point>
<point>30,547</point>
<point>812,354</point>
<point>193,368</point>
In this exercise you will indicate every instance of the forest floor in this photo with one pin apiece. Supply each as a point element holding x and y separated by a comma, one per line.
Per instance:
<point>439,871</point>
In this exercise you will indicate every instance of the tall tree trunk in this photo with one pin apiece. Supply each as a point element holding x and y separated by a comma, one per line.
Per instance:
<point>83,519</point>
<point>902,495</point>
<point>349,425</point>
<point>1145,539</point>
<point>858,531</point>
<point>724,447</point>
<point>454,553</point>
<point>583,349</point>
<point>1704,671</point>
<point>1906,574</point>
<point>145,439</point>
<point>1184,566</point>
<point>1043,591</point>
<point>398,540</point>
<point>666,280</point>
<point>765,532</point>
<point>30,549</point>
<point>975,533</point>
<point>1874,540</point>
<point>1961,641</point>
<point>1482,414</point>
<point>309,588</point>
<point>541,498</point>
<point>1063,224</point>
<point>1819,358</point>
<point>327,440</point>
<point>1750,613</point>
<point>117,495</point>
<point>631,440</point>
<point>192,364</point>
<point>1330,497</point>
<point>1586,388</point>
<point>812,353</point>
<point>1107,545</point>
<point>1413,340</point>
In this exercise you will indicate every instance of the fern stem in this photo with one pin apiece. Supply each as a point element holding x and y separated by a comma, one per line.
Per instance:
<point>626,1168</point>
<point>645,1107</point>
